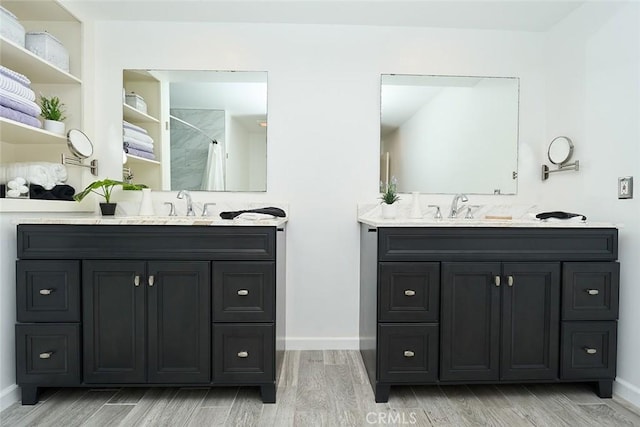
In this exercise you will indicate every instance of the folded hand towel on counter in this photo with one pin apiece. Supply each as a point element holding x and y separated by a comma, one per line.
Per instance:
<point>20,78</point>
<point>140,153</point>
<point>126,124</point>
<point>19,116</point>
<point>19,89</point>
<point>11,100</point>
<point>58,192</point>
<point>560,215</point>
<point>267,211</point>
<point>132,133</point>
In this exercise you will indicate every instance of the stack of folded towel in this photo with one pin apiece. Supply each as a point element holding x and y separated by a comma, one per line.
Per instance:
<point>17,100</point>
<point>136,141</point>
<point>48,175</point>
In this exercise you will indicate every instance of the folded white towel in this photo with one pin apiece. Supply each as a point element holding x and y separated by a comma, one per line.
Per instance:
<point>10,85</point>
<point>126,124</point>
<point>45,174</point>
<point>254,216</point>
<point>137,135</point>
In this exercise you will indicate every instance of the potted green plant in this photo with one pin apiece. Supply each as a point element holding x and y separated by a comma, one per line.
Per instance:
<point>105,188</point>
<point>53,114</point>
<point>389,198</point>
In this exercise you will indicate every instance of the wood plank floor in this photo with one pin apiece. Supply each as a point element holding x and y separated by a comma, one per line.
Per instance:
<point>326,388</point>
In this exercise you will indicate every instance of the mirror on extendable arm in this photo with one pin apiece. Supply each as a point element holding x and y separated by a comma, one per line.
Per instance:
<point>82,148</point>
<point>559,153</point>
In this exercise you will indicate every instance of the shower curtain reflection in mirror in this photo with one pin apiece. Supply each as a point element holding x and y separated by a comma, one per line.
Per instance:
<point>196,161</point>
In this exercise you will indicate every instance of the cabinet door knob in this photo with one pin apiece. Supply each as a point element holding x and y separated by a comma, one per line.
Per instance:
<point>409,353</point>
<point>409,292</point>
<point>151,280</point>
<point>510,280</point>
<point>243,292</point>
<point>590,350</point>
<point>46,291</point>
<point>136,280</point>
<point>45,355</point>
<point>497,280</point>
<point>243,354</point>
<point>593,291</point>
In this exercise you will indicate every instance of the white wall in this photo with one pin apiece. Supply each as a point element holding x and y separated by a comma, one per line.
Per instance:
<point>323,147</point>
<point>593,96</point>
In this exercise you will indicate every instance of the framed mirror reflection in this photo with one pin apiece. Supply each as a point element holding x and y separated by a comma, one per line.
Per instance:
<point>199,130</point>
<point>449,134</point>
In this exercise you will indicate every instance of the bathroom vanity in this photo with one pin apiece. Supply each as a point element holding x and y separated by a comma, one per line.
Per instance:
<point>101,305</point>
<point>488,304</point>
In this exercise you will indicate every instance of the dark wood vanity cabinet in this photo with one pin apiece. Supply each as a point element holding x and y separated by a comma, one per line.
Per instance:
<point>143,305</point>
<point>488,305</point>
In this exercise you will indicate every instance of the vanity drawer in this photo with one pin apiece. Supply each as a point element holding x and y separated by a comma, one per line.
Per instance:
<point>409,292</point>
<point>243,291</point>
<point>588,350</point>
<point>48,291</point>
<point>244,353</point>
<point>590,290</point>
<point>408,352</point>
<point>48,354</point>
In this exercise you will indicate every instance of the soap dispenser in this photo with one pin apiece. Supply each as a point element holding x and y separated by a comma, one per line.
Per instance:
<point>146,205</point>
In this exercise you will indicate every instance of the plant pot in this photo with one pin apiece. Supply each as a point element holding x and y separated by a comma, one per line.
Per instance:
<point>108,209</point>
<point>389,211</point>
<point>54,126</point>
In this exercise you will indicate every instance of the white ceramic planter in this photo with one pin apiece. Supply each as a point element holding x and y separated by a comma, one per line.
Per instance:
<point>389,211</point>
<point>54,126</point>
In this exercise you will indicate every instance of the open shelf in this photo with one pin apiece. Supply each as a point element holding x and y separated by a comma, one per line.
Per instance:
<point>131,159</point>
<point>18,133</point>
<point>132,115</point>
<point>35,68</point>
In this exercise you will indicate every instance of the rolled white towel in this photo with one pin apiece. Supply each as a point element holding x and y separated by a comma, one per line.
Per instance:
<point>13,193</point>
<point>46,174</point>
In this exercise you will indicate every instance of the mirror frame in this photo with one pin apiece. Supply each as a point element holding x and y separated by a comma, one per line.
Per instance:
<point>74,143</point>
<point>568,147</point>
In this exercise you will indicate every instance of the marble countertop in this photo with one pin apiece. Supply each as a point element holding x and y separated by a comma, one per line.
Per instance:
<point>154,220</point>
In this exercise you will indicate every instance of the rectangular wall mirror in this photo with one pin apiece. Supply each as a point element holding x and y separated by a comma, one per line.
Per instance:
<point>196,130</point>
<point>449,134</point>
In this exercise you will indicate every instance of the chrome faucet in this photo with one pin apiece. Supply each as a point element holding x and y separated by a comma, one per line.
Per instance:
<point>454,204</point>
<point>185,193</point>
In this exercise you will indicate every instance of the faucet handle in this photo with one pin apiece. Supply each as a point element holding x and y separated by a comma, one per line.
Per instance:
<point>438,214</point>
<point>205,211</point>
<point>172,208</point>
<point>469,215</point>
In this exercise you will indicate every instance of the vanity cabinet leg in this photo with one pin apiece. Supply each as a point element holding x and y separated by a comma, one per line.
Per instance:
<point>268,393</point>
<point>29,394</point>
<point>604,388</point>
<point>382,393</point>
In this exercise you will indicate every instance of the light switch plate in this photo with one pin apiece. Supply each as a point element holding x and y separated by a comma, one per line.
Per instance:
<point>625,187</point>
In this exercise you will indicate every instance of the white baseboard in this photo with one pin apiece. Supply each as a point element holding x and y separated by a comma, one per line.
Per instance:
<point>9,396</point>
<point>627,391</point>
<point>328,343</point>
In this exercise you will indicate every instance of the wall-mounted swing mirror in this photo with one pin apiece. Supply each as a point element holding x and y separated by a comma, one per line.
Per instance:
<point>208,129</point>
<point>559,153</point>
<point>82,148</point>
<point>449,134</point>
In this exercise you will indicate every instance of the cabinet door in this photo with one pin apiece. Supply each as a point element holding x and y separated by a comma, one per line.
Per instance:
<point>113,302</point>
<point>409,292</point>
<point>178,310</point>
<point>408,352</point>
<point>530,321</point>
<point>470,321</point>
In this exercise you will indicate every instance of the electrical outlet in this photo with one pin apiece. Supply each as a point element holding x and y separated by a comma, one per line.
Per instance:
<point>625,187</point>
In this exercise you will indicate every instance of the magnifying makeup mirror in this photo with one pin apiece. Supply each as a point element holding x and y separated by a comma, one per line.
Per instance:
<point>81,147</point>
<point>559,153</point>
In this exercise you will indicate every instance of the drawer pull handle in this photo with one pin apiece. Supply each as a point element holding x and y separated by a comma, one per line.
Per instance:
<point>510,280</point>
<point>410,292</point>
<point>151,280</point>
<point>46,355</point>
<point>497,280</point>
<point>593,291</point>
<point>409,353</point>
<point>136,280</point>
<point>590,350</point>
<point>243,354</point>
<point>243,292</point>
<point>46,291</point>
